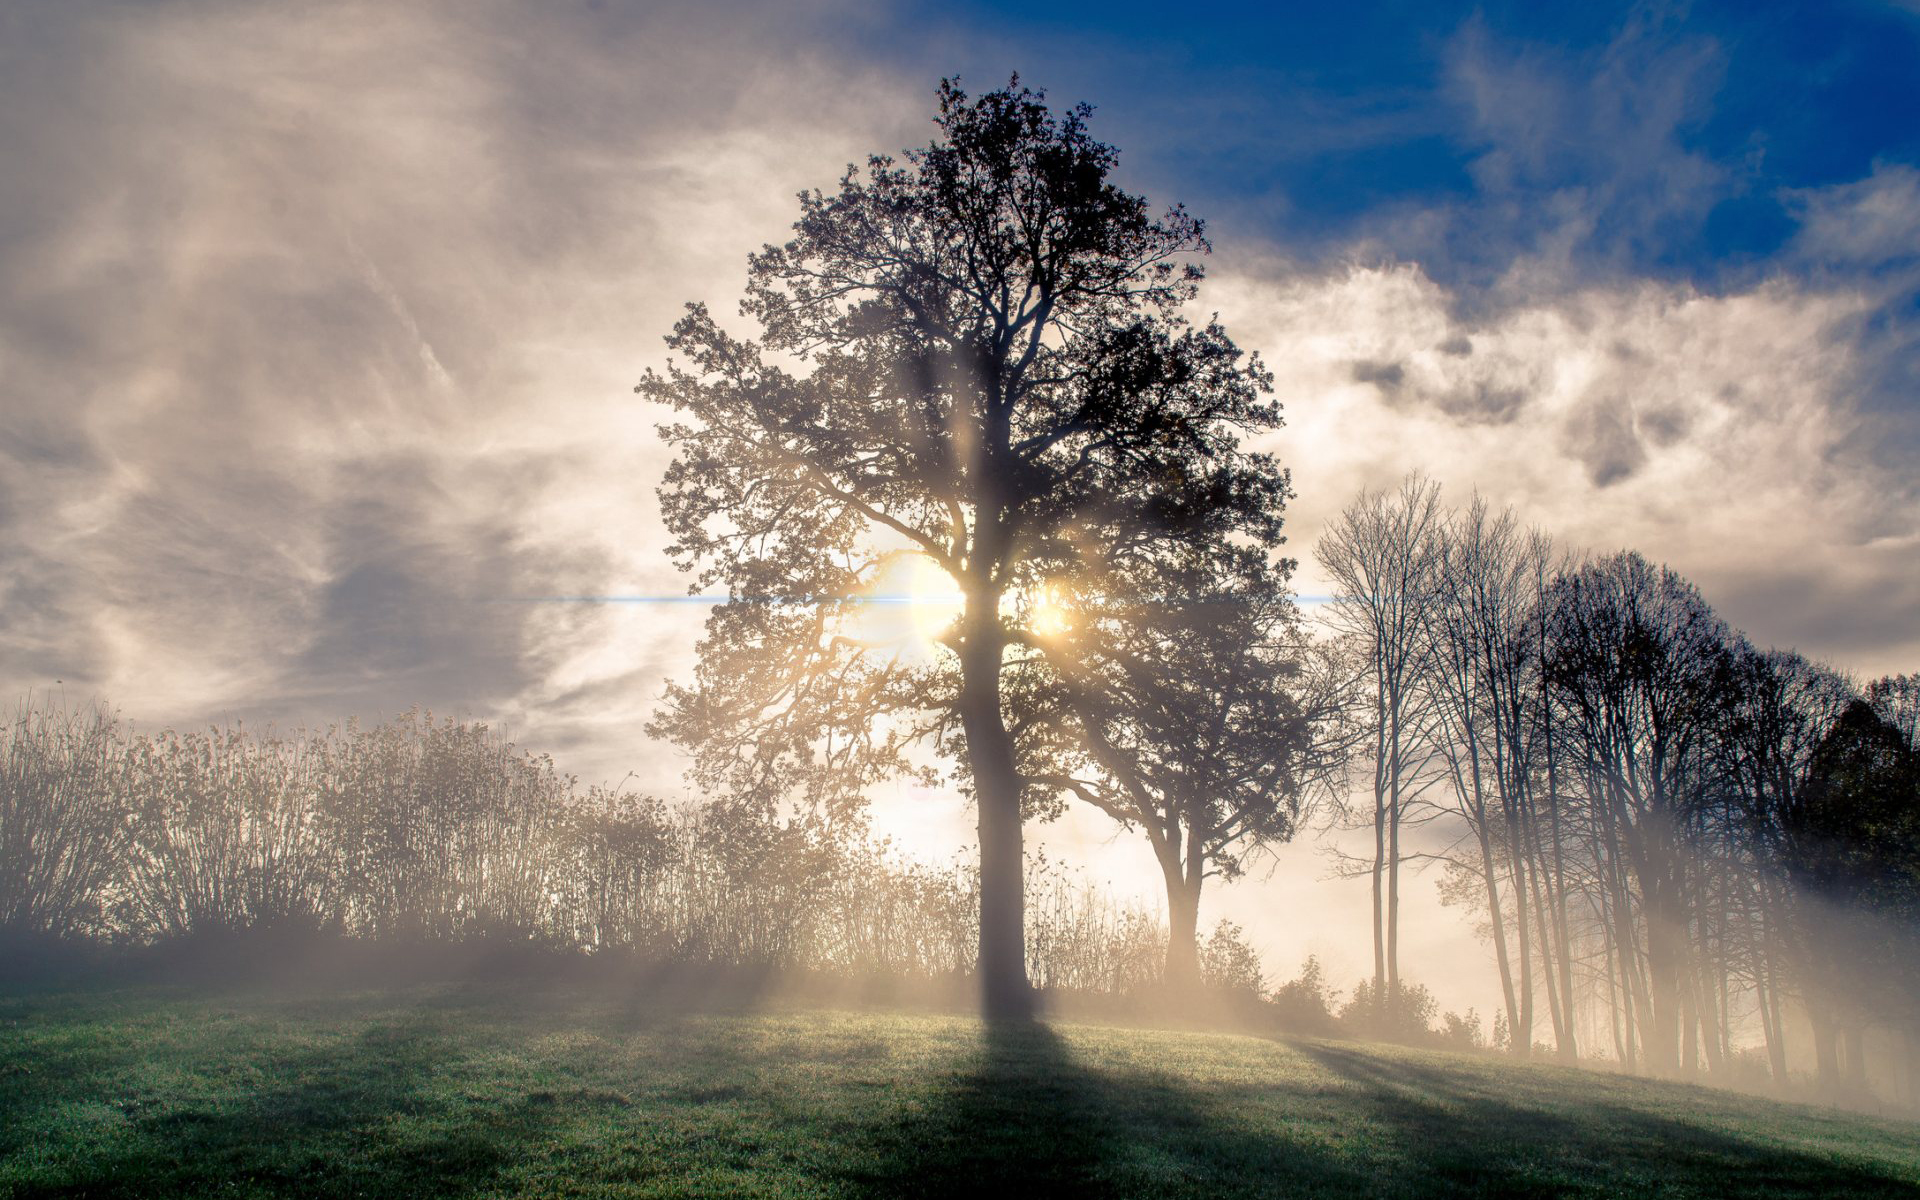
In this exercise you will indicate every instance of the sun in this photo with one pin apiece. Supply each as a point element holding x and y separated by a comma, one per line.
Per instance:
<point>910,604</point>
<point>933,598</point>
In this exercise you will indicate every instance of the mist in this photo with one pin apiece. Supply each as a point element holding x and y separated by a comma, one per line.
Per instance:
<point>1423,555</point>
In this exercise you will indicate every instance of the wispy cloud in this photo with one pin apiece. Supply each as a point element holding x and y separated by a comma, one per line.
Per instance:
<point>319,327</point>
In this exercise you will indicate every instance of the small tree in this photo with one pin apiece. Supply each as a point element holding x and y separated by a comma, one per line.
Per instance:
<point>1306,1002</point>
<point>969,362</point>
<point>1403,1013</point>
<point>1230,965</point>
<point>1207,719</point>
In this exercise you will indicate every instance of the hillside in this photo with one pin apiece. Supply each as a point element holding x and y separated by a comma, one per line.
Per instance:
<point>478,1091</point>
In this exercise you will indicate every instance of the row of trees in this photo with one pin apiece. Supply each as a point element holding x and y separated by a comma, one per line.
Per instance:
<point>417,833</point>
<point>1675,837</point>
<point>422,831</point>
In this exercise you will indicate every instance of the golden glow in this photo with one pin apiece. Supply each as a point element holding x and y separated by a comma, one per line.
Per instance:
<point>1047,615</point>
<point>911,603</point>
<point>932,596</point>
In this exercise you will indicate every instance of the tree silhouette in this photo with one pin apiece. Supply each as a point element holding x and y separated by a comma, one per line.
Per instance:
<point>1204,713</point>
<point>1635,657</point>
<point>1382,553</point>
<point>1853,849</point>
<point>973,360</point>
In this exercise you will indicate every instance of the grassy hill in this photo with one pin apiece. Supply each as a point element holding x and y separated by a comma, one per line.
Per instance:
<point>491,1091</point>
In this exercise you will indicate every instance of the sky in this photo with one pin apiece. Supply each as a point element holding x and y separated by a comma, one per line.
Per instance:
<point>319,324</point>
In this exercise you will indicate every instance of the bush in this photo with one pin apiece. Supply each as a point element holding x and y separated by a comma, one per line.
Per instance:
<point>1305,1003</point>
<point>1229,965</point>
<point>63,822</point>
<point>436,834</point>
<point>1462,1032</point>
<point>1404,1014</point>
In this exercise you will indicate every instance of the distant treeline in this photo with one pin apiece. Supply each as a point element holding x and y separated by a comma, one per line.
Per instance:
<point>1675,837</point>
<point>424,831</point>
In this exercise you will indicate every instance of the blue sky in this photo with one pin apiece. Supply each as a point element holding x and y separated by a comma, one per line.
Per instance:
<point>1311,118</point>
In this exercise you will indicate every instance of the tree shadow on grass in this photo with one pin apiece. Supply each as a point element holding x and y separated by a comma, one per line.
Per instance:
<point>1023,1117</point>
<point>1455,1130</point>
<point>468,1093</point>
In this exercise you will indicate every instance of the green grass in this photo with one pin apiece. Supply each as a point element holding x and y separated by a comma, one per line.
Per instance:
<point>492,1091</point>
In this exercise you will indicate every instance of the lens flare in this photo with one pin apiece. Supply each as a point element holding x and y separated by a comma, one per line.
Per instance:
<point>932,596</point>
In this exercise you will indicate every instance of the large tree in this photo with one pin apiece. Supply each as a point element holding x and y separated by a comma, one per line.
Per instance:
<point>1852,849</point>
<point>1772,715</point>
<point>974,360</point>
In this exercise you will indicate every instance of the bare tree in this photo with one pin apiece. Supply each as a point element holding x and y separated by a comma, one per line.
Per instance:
<point>1382,554</point>
<point>63,819</point>
<point>1482,678</point>
<point>1897,699</point>
<point>1634,655</point>
<point>1775,708</point>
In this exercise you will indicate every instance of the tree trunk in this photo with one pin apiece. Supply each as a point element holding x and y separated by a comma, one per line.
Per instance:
<point>1621,1050</point>
<point>1767,972</point>
<point>1776,1056</point>
<point>1183,931</point>
<point>1393,876</point>
<point>1570,1048</point>
<point>1825,1049</point>
<point>1689,1033</point>
<point>1004,992</point>
<point>1379,899</point>
<point>1664,991</point>
<point>1490,877</point>
<point>1666,945</point>
<point>1541,885</point>
<point>1393,910</point>
<point>1523,1036</point>
<point>1911,1039</point>
<point>1853,1037</point>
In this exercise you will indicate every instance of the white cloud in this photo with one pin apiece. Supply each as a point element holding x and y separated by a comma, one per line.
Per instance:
<point>1709,431</point>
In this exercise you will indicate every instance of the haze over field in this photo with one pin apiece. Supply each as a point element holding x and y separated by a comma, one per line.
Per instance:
<point>319,327</point>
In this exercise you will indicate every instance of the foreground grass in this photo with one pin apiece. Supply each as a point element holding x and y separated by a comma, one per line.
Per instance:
<point>477,1091</point>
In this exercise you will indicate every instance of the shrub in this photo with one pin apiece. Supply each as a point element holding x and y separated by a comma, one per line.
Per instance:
<point>1229,965</point>
<point>63,821</point>
<point>1305,1003</point>
<point>1403,1014</point>
<point>1462,1032</point>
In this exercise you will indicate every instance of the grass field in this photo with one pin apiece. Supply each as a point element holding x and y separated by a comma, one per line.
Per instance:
<point>492,1091</point>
